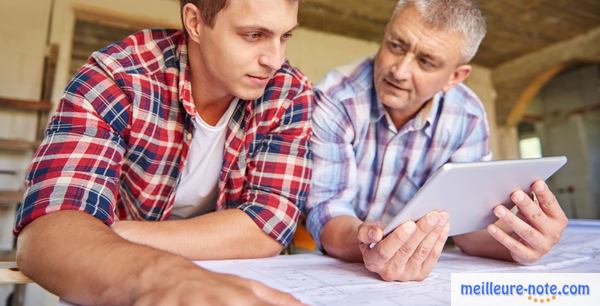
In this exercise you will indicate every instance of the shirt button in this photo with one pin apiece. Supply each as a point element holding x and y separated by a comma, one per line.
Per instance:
<point>189,136</point>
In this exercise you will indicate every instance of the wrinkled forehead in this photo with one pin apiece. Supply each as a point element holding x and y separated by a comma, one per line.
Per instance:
<point>409,26</point>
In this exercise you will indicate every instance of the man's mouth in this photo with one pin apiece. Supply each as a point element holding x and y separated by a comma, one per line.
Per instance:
<point>258,80</point>
<point>394,85</point>
<point>259,77</point>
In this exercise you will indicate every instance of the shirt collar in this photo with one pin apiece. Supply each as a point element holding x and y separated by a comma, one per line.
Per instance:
<point>185,76</point>
<point>423,120</point>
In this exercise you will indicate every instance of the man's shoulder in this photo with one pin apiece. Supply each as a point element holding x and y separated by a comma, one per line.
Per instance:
<point>346,94</point>
<point>289,80</point>
<point>348,81</point>
<point>144,52</point>
<point>463,98</point>
<point>289,89</point>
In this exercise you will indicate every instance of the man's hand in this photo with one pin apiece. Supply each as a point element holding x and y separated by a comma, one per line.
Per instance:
<point>535,229</point>
<point>409,252</point>
<point>201,287</point>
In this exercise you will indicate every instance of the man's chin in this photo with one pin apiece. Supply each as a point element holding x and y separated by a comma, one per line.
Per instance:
<point>394,102</point>
<point>250,94</point>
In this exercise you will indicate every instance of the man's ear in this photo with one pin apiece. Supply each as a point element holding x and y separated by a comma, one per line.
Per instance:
<point>459,75</point>
<point>191,20</point>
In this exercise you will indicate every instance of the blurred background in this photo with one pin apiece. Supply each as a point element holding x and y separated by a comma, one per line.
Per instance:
<point>537,73</point>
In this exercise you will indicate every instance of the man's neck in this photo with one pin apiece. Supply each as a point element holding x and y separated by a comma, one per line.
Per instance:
<point>401,117</point>
<point>210,98</point>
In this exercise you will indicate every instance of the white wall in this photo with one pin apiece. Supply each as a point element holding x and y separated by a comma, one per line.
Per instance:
<point>480,81</point>
<point>23,31</point>
<point>23,38</point>
<point>575,135</point>
<point>23,28</point>
<point>315,53</point>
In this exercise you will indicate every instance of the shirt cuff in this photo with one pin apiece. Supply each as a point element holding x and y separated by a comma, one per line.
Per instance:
<point>279,223</point>
<point>321,214</point>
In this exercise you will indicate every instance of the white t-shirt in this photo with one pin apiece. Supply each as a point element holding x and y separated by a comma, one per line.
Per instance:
<point>196,193</point>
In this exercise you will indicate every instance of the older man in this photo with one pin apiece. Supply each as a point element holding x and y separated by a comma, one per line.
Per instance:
<point>384,125</point>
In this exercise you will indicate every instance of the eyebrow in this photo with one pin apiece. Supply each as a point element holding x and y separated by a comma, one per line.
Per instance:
<point>396,37</point>
<point>263,29</point>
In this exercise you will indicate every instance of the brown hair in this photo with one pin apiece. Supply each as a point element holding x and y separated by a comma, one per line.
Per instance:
<point>209,9</point>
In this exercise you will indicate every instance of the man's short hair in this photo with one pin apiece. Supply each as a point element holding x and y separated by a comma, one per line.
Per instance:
<point>463,16</point>
<point>209,9</point>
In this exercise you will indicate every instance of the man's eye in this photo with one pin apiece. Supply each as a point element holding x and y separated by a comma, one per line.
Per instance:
<point>425,62</point>
<point>395,46</point>
<point>254,36</point>
<point>286,36</point>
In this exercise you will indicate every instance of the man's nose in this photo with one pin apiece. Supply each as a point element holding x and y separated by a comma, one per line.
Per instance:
<point>272,56</point>
<point>402,70</point>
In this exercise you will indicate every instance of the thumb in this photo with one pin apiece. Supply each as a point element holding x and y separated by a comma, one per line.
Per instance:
<point>369,233</point>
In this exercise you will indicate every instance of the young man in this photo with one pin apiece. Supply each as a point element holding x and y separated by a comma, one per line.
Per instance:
<point>383,126</point>
<point>204,131</point>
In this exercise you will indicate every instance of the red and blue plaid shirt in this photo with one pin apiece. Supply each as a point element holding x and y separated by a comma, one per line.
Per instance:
<point>120,138</point>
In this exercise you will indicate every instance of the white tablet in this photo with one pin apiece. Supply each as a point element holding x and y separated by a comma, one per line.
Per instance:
<point>470,191</point>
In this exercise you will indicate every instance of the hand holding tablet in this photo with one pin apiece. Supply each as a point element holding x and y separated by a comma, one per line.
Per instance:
<point>470,191</point>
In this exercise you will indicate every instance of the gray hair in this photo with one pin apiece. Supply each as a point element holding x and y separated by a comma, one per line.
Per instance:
<point>462,16</point>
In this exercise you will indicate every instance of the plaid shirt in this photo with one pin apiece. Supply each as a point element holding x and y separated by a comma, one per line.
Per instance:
<point>120,138</point>
<point>366,168</point>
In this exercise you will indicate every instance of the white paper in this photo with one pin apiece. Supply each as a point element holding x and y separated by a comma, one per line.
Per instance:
<point>321,280</point>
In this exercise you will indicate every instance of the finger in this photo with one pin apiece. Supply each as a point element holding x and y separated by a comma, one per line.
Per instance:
<point>548,201</point>
<point>401,244</point>
<point>424,226</point>
<point>369,233</point>
<point>428,243</point>
<point>532,236</point>
<point>388,247</point>
<point>519,251</point>
<point>435,253</point>
<point>534,215</point>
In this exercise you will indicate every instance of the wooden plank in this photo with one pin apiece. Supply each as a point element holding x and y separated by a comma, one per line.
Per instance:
<point>10,274</point>
<point>50,62</point>
<point>10,197</point>
<point>9,255</point>
<point>17,145</point>
<point>26,105</point>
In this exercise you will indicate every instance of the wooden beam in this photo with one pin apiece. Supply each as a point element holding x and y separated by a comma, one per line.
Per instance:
<point>10,197</point>
<point>16,145</point>
<point>10,274</point>
<point>338,18</point>
<point>9,255</point>
<point>26,105</point>
<point>531,91</point>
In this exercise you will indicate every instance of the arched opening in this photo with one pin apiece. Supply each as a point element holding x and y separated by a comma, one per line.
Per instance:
<point>562,117</point>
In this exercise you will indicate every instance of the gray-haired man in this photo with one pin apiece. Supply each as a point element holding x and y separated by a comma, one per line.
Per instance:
<point>383,126</point>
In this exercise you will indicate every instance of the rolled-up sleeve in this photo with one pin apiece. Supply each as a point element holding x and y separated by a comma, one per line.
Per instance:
<point>279,167</point>
<point>77,165</point>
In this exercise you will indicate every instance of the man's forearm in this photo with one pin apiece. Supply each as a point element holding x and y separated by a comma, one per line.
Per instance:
<point>225,234</point>
<point>339,238</point>
<point>77,257</point>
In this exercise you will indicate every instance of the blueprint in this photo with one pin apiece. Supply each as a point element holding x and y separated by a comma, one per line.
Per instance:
<point>320,280</point>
